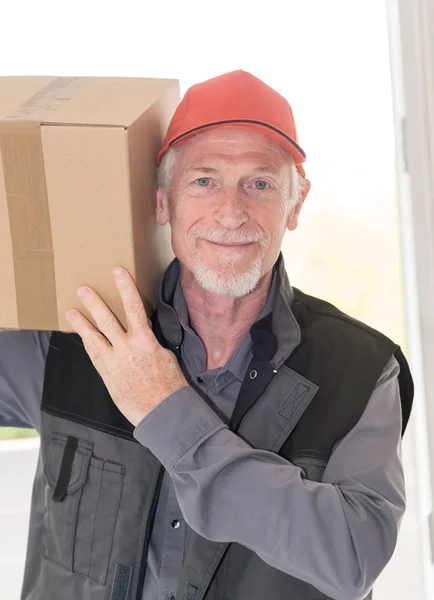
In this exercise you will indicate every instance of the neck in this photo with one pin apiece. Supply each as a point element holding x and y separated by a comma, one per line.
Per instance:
<point>222,321</point>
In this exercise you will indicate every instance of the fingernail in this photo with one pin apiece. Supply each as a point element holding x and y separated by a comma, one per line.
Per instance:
<point>118,272</point>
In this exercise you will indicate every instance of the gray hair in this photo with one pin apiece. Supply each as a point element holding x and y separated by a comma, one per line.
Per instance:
<point>167,166</point>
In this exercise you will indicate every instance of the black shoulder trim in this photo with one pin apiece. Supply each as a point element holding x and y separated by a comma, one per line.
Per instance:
<point>74,390</point>
<point>345,359</point>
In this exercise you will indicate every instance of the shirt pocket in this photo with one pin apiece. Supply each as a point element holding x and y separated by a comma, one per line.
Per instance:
<point>82,496</point>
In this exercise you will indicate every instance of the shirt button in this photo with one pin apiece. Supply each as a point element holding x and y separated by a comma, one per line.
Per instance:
<point>175,524</point>
<point>199,380</point>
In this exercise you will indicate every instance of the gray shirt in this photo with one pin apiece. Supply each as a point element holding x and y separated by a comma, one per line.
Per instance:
<point>228,491</point>
<point>221,387</point>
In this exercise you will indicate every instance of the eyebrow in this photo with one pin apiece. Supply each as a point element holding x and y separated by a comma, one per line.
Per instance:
<point>268,169</point>
<point>204,169</point>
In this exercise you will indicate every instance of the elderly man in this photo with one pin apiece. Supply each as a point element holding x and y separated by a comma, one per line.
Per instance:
<point>246,442</point>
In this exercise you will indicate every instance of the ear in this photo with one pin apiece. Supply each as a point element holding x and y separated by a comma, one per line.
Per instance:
<point>162,212</point>
<point>292,222</point>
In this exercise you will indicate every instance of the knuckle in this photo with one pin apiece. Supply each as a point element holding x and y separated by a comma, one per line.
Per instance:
<point>95,341</point>
<point>108,322</point>
<point>135,308</point>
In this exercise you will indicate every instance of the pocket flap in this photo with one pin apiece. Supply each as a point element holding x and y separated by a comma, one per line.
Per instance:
<point>79,464</point>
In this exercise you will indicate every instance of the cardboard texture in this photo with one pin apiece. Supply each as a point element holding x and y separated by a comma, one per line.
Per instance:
<point>77,193</point>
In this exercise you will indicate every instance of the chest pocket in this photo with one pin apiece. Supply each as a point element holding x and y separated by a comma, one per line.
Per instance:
<point>82,495</point>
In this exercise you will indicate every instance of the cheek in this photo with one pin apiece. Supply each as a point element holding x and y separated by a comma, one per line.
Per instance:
<point>183,220</point>
<point>274,219</point>
<point>190,212</point>
<point>283,214</point>
<point>283,207</point>
<point>183,206</point>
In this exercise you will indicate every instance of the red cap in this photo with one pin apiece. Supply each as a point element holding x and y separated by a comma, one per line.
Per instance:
<point>235,99</point>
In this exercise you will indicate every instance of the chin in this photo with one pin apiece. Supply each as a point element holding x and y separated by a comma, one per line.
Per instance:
<point>236,282</point>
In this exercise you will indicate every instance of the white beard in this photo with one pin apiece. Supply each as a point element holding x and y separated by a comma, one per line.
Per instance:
<point>228,281</point>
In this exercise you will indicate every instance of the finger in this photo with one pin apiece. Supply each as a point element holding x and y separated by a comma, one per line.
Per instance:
<point>132,301</point>
<point>106,321</point>
<point>94,342</point>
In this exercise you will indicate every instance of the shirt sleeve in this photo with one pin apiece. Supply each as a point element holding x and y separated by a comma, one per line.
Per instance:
<point>337,535</point>
<point>23,355</point>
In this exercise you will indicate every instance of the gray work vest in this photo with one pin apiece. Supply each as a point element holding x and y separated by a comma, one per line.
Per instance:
<point>96,488</point>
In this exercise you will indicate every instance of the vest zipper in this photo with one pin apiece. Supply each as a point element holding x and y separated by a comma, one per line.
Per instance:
<point>151,518</point>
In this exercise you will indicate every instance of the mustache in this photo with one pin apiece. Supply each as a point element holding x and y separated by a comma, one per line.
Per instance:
<point>225,237</point>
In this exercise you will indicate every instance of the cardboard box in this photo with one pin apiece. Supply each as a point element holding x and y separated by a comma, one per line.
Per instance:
<point>77,193</point>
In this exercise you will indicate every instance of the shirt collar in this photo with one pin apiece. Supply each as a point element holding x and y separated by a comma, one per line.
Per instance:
<point>240,359</point>
<point>240,362</point>
<point>279,302</point>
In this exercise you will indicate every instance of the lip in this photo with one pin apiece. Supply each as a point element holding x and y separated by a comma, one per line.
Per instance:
<point>235,244</point>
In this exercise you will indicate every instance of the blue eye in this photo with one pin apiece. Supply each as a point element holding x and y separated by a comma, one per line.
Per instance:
<point>261,185</point>
<point>202,181</point>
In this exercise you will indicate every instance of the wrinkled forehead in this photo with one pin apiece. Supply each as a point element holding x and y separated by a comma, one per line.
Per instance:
<point>232,143</point>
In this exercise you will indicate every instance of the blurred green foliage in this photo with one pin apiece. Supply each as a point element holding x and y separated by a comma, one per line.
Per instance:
<point>12,433</point>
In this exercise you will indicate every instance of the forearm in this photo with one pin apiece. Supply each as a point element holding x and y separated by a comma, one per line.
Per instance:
<point>337,535</point>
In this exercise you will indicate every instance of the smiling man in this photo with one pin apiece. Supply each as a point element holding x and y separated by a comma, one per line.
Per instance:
<point>229,195</point>
<point>245,443</point>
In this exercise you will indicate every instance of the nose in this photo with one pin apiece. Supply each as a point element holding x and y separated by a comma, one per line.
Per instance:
<point>231,211</point>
